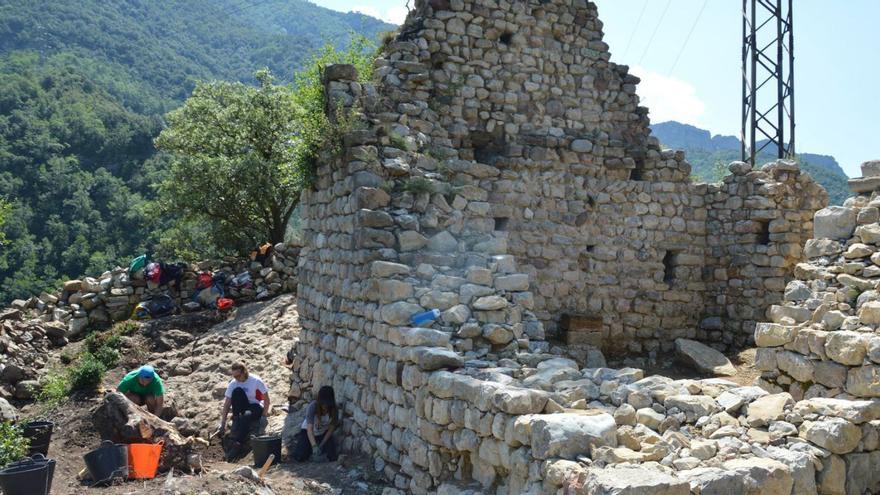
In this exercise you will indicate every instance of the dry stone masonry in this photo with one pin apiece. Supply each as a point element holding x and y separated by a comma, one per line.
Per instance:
<point>114,295</point>
<point>501,171</point>
<point>822,340</point>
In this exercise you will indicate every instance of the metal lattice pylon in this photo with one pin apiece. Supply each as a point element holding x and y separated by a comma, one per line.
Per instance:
<point>768,78</point>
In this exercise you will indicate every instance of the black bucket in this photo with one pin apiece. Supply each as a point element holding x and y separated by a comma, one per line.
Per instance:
<point>107,462</point>
<point>40,434</point>
<point>265,446</point>
<point>29,475</point>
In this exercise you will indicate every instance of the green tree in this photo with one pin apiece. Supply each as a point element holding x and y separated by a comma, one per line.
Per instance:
<point>5,210</point>
<point>233,164</point>
<point>241,155</point>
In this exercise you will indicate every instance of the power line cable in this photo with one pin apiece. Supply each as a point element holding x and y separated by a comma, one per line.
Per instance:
<point>635,29</point>
<point>656,28</point>
<point>688,38</point>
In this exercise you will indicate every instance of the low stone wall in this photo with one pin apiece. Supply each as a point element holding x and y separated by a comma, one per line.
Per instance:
<point>823,341</point>
<point>114,295</point>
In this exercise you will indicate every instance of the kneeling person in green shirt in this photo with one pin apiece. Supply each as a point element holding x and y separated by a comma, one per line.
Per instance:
<point>144,387</point>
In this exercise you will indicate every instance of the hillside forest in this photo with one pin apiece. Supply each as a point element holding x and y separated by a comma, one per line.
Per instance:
<point>85,87</point>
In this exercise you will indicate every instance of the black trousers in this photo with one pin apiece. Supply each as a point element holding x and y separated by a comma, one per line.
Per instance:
<point>244,415</point>
<point>302,448</point>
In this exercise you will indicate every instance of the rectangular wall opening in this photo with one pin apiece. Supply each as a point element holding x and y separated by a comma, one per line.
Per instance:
<point>670,264</point>
<point>764,232</point>
<point>638,172</point>
<point>501,224</point>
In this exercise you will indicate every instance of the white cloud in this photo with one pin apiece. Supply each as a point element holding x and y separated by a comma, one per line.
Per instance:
<point>393,15</point>
<point>669,98</point>
<point>396,15</point>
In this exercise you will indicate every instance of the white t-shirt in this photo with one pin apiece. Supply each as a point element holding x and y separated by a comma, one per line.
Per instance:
<point>253,387</point>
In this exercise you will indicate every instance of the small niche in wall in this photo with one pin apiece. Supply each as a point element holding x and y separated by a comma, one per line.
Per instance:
<point>506,38</point>
<point>501,224</point>
<point>488,147</point>
<point>638,172</point>
<point>584,259</point>
<point>670,264</point>
<point>763,232</point>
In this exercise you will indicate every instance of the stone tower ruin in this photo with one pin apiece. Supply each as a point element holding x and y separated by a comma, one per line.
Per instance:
<point>503,172</point>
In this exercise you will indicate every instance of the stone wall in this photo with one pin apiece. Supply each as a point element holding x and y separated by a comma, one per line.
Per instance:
<point>822,339</point>
<point>501,171</point>
<point>114,295</point>
<point>516,113</point>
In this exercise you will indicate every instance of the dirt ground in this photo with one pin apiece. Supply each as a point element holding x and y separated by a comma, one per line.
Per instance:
<point>193,351</point>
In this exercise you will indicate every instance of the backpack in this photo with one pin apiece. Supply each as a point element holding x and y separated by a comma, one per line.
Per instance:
<point>153,272</point>
<point>137,264</point>
<point>241,281</point>
<point>157,307</point>
<point>205,280</point>
<point>160,306</point>
<point>225,304</point>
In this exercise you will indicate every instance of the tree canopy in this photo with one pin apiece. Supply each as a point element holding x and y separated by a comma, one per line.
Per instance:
<point>241,155</point>
<point>232,161</point>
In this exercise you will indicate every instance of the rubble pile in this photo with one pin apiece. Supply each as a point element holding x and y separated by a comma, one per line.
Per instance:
<point>823,340</point>
<point>24,351</point>
<point>114,295</point>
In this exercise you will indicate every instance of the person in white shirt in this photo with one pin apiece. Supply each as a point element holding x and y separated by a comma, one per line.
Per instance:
<point>248,397</point>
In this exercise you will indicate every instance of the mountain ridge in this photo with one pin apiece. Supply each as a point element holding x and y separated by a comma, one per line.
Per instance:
<point>710,154</point>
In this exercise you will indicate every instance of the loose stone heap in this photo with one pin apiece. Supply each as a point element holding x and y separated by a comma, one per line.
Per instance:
<point>24,351</point>
<point>823,341</point>
<point>501,171</point>
<point>113,295</point>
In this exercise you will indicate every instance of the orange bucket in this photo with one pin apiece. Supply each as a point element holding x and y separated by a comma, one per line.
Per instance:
<point>143,460</point>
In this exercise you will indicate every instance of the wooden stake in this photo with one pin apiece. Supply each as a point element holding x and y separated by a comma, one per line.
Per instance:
<point>266,465</point>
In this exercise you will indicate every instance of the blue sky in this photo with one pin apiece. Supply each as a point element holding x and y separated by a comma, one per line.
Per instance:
<point>837,66</point>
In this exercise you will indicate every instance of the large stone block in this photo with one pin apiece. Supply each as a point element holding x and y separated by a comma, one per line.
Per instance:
<point>568,435</point>
<point>834,222</point>
<point>633,481</point>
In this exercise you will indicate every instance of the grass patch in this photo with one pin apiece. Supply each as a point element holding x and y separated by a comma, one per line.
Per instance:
<point>84,371</point>
<point>13,444</point>
<point>87,374</point>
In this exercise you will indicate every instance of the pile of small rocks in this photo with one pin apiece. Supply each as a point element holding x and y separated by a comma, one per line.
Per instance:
<point>24,350</point>
<point>823,340</point>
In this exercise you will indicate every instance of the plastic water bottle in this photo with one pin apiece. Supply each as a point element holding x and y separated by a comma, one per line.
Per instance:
<point>420,319</point>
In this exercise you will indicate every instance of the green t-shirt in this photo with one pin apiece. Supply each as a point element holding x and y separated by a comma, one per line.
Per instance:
<point>131,384</point>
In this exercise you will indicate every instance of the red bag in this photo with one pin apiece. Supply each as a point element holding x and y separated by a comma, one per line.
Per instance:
<point>225,304</point>
<point>205,280</point>
<point>153,272</point>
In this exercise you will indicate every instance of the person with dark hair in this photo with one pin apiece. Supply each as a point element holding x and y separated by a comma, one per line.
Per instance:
<point>248,397</point>
<point>315,438</point>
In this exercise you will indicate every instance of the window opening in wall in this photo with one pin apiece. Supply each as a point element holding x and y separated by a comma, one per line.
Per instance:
<point>488,147</point>
<point>591,202</point>
<point>506,38</point>
<point>501,224</point>
<point>670,263</point>
<point>639,171</point>
<point>764,233</point>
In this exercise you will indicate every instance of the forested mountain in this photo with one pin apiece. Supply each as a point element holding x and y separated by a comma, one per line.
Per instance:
<point>709,156</point>
<point>84,86</point>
